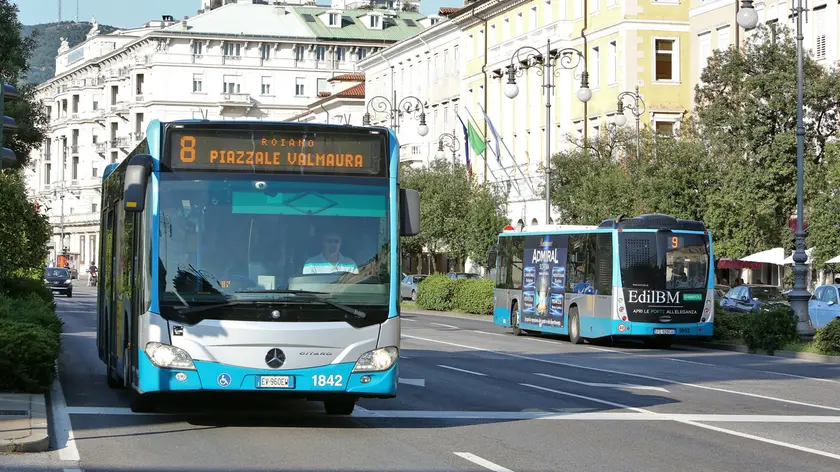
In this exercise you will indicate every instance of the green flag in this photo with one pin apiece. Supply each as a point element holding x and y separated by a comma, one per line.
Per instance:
<point>476,142</point>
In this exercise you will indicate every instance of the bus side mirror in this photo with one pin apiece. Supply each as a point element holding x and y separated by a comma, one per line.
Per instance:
<point>136,179</point>
<point>492,253</point>
<point>409,212</point>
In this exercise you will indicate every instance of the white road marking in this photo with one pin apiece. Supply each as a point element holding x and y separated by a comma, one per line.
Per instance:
<point>482,462</point>
<point>445,325</point>
<point>629,374</point>
<point>689,362</point>
<point>607,350</point>
<point>771,372</point>
<point>462,370</point>
<point>700,425</point>
<point>591,399</point>
<point>415,382</point>
<point>605,385</point>
<point>404,357</point>
<point>523,415</point>
<point>65,442</point>
<point>408,319</point>
<point>72,470</point>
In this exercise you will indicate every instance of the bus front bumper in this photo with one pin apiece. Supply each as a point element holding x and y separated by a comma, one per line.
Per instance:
<point>213,376</point>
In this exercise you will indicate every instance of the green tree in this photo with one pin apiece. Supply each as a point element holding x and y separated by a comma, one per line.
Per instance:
<point>485,220</point>
<point>745,112</point>
<point>823,206</point>
<point>15,52</point>
<point>23,233</point>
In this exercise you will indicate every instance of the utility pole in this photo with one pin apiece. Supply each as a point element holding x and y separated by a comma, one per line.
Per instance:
<point>77,11</point>
<point>59,11</point>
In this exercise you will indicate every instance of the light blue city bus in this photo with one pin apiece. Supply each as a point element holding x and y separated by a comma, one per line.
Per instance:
<point>650,277</point>
<point>254,256</point>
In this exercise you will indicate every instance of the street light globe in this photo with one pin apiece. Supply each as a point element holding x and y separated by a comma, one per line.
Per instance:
<point>747,18</point>
<point>584,94</point>
<point>440,154</point>
<point>620,120</point>
<point>422,130</point>
<point>511,90</point>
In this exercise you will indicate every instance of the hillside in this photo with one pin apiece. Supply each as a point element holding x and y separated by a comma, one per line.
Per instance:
<point>42,64</point>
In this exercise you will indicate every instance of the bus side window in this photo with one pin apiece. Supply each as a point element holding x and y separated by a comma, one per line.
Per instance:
<point>576,262</point>
<point>503,266</point>
<point>517,253</point>
<point>603,264</point>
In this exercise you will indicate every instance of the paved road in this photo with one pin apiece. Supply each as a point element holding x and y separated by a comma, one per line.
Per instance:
<point>472,398</point>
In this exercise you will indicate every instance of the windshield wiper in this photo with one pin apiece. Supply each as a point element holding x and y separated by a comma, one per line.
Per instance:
<point>312,296</point>
<point>196,309</point>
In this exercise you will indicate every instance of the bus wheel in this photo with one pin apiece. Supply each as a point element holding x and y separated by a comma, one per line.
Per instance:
<point>339,406</point>
<point>514,320</point>
<point>113,381</point>
<point>574,327</point>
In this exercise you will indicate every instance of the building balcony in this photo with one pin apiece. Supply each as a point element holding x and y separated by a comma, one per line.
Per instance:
<point>139,98</point>
<point>138,136</point>
<point>101,148</point>
<point>74,150</point>
<point>236,100</point>
<point>123,142</point>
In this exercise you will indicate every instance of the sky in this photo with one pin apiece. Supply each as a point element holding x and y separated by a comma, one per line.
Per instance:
<point>132,13</point>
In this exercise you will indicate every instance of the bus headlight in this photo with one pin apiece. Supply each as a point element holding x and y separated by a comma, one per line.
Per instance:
<point>169,357</point>
<point>377,360</point>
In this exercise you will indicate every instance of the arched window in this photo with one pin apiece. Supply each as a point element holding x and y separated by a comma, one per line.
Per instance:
<point>534,222</point>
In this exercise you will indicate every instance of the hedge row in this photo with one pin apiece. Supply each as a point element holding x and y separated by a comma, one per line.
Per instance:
<point>30,336</point>
<point>771,329</point>
<point>441,293</point>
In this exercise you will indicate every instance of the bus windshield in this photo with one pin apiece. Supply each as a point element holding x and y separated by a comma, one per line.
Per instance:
<point>238,237</point>
<point>664,260</point>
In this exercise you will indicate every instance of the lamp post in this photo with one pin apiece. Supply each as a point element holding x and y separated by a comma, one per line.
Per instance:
<point>747,18</point>
<point>449,141</point>
<point>637,107</point>
<point>547,64</point>
<point>393,110</point>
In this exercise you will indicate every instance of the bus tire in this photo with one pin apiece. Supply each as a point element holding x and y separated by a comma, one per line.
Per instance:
<point>339,406</point>
<point>113,381</point>
<point>574,327</point>
<point>514,320</point>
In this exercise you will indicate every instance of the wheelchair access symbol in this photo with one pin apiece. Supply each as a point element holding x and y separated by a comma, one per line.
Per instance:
<point>223,380</point>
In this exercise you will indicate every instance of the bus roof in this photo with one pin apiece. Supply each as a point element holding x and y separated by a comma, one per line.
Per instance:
<point>653,221</point>
<point>554,228</point>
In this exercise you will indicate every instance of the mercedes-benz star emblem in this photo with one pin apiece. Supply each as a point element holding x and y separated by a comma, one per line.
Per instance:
<point>275,314</point>
<point>275,358</point>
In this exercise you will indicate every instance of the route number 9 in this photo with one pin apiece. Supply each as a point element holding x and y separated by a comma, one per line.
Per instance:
<point>675,241</point>
<point>188,149</point>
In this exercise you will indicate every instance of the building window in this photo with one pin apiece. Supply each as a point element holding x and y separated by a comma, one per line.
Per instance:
<point>47,172</point>
<point>594,6</point>
<point>266,86</point>
<point>436,69</point>
<point>578,9</point>
<point>198,82</point>
<point>265,52</point>
<point>114,94</point>
<point>231,84</point>
<point>456,59</point>
<point>140,80</point>
<point>666,64</point>
<point>300,90</point>
<point>320,53</point>
<point>233,50</point>
<point>94,171</point>
<point>374,21</point>
<point>612,71</point>
<point>340,54</point>
<point>533,18</point>
<point>95,105</point>
<point>74,172</point>
<point>334,19</point>
<point>82,249</point>
<point>445,62</point>
<point>612,3</point>
<point>323,86</point>
<point>197,48</point>
<point>595,74</point>
<point>75,104</point>
<point>361,53</point>
<point>93,207</point>
<point>113,157</point>
<point>723,38</point>
<point>299,53</point>
<point>549,12</point>
<point>704,41</point>
<point>819,32</point>
<point>664,128</point>
<point>93,243</point>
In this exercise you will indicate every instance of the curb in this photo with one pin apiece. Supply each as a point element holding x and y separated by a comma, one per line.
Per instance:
<point>447,314</point>
<point>38,439</point>
<point>805,356</point>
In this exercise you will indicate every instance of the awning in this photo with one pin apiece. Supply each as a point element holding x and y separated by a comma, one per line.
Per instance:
<point>833,260</point>
<point>734,264</point>
<point>770,256</point>
<point>789,259</point>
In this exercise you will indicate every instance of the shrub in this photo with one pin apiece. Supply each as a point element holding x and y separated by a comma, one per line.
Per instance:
<point>474,296</point>
<point>22,287</point>
<point>827,339</point>
<point>28,353</point>
<point>770,329</point>
<point>31,309</point>
<point>436,292</point>
<point>728,325</point>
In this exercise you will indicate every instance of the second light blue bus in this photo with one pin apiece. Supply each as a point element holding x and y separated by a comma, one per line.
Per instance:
<point>254,256</point>
<point>650,277</point>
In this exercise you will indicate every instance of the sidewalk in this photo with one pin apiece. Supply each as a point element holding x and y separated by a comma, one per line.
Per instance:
<point>23,423</point>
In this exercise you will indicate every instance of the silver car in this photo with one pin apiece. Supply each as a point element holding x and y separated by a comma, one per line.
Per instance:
<point>408,286</point>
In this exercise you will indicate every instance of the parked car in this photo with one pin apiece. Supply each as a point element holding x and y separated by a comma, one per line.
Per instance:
<point>747,298</point>
<point>824,305</point>
<point>58,280</point>
<point>408,286</point>
<point>720,291</point>
<point>462,275</point>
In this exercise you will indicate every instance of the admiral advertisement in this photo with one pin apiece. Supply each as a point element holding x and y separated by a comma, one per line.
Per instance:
<point>664,306</point>
<point>544,280</point>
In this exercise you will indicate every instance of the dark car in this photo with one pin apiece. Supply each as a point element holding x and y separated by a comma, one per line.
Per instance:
<point>746,298</point>
<point>58,280</point>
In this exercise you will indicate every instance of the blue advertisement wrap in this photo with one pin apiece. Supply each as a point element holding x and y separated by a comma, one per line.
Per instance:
<point>544,280</point>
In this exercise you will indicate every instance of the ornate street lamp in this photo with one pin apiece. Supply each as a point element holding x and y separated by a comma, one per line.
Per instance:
<point>637,107</point>
<point>393,110</point>
<point>449,141</point>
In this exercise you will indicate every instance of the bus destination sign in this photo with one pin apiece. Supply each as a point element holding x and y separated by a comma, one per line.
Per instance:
<point>301,150</point>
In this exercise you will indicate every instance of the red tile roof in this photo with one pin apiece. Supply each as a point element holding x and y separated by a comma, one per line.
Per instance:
<point>446,11</point>
<point>348,78</point>
<point>357,91</point>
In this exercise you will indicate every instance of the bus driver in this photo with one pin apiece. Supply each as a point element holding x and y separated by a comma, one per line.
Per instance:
<point>330,260</point>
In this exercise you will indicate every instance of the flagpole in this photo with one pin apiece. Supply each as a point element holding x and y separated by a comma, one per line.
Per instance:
<point>498,153</point>
<point>510,178</point>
